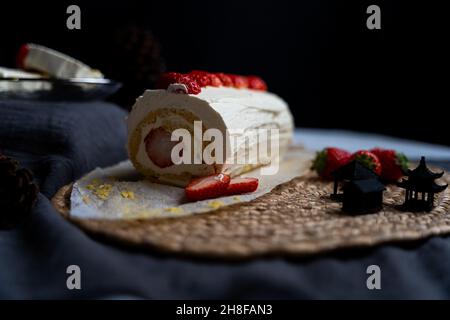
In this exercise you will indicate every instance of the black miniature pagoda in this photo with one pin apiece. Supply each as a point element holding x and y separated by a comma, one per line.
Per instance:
<point>420,188</point>
<point>362,189</point>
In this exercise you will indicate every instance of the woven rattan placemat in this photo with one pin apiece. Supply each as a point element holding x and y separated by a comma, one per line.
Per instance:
<point>296,218</point>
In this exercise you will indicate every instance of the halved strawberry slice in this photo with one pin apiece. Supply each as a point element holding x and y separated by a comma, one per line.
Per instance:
<point>241,185</point>
<point>225,79</point>
<point>158,147</point>
<point>208,187</point>
<point>256,83</point>
<point>239,81</point>
<point>215,81</point>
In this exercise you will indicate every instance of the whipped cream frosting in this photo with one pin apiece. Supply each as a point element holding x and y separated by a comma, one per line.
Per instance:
<point>217,107</point>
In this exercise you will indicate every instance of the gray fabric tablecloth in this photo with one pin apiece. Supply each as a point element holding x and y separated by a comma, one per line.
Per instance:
<point>62,141</point>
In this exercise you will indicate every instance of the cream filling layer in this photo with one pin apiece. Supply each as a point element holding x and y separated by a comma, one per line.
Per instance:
<point>144,160</point>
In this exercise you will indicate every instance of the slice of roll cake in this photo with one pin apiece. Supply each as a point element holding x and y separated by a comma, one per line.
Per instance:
<point>238,107</point>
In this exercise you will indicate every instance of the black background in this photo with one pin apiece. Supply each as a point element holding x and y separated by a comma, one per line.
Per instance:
<point>317,54</point>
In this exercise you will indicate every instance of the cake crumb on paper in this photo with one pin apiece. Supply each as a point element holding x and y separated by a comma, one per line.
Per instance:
<point>173,210</point>
<point>215,204</point>
<point>86,199</point>
<point>127,195</point>
<point>102,191</point>
<point>145,214</point>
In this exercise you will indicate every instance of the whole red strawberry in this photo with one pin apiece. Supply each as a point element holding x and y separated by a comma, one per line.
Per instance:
<point>172,77</point>
<point>328,160</point>
<point>368,159</point>
<point>393,164</point>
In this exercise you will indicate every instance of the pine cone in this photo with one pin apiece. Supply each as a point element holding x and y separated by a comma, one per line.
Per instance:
<point>18,193</point>
<point>135,60</point>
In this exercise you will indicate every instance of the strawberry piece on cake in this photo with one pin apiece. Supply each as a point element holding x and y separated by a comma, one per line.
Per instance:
<point>225,79</point>
<point>158,147</point>
<point>256,83</point>
<point>208,187</point>
<point>239,82</point>
<point>241,185</point>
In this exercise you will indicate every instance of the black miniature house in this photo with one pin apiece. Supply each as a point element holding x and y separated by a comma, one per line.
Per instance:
<point>352,171</point>
<point>420,188</point>
<point>362,190</point>
<point>363,196</point>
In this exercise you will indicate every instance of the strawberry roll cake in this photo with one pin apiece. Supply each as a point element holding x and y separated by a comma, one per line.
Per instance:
<point>239,107</point>
<point>53,63</point>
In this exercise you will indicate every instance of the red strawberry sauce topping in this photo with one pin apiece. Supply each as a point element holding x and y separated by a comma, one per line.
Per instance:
<point>197,79</point>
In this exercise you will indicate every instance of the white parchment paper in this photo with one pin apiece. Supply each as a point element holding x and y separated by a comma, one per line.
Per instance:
<point>119,192</point>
